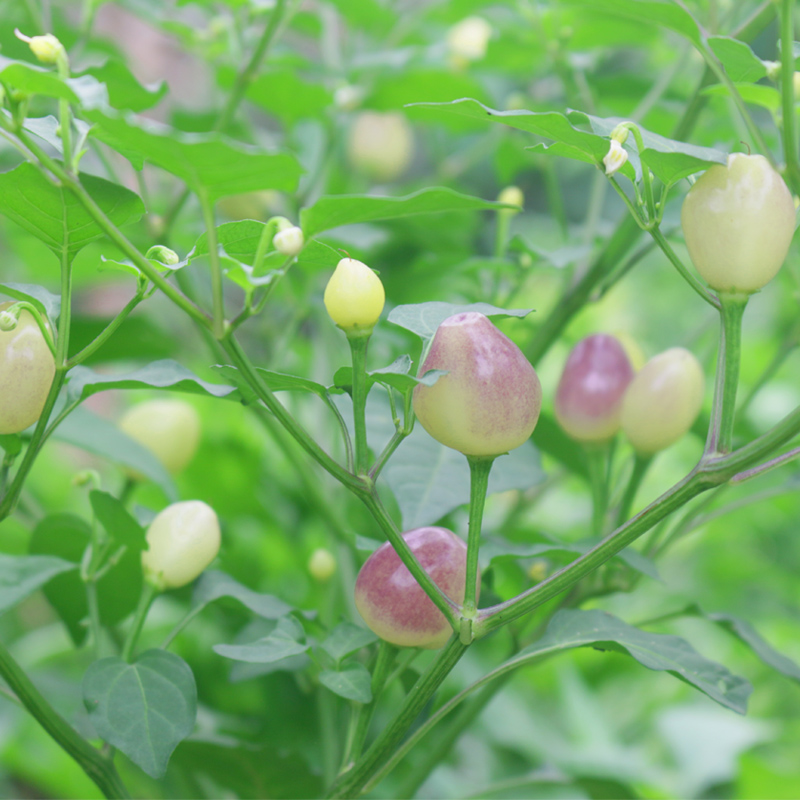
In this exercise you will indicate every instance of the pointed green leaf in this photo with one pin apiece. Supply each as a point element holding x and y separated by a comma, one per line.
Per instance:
<point>55,215</point>
<point>662,652</point>
<point>124,90</point>
<point>213,585</point>
<point>352,681</point>
<point>117,521</point>
<point>346,638</point>
<point>424,318</point>
<point>740,62</point>
<point>145,709</point>
<point>333,212</point>
<point>207,164</point>
<point>285,640</point>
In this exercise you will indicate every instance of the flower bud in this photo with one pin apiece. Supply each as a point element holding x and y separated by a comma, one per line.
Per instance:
<point>354,297</point>
<point>513,196</point>
<point>165,256</point>
<point>663,401</point>
<point>589,395</point>
<point>8,320</point>
<point>489,401</point>
<point>322,564</point>
<point>46,48</point>
<point>182,541</point>
<point>469,38</point>
<point>615,158</point>
<point>738,221</point>
<point>169,428</point>
<point>348,97</point>
<point>289,241</point>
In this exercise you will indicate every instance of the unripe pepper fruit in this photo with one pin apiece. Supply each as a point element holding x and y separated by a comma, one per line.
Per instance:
<point>663,401</point>
<point>738,221</point>
<point>354,297</point>
<point>489,401</point>
<point>392,603</point>
<point>182,541</point>
<point>27,369</point>
<point>592,385</point>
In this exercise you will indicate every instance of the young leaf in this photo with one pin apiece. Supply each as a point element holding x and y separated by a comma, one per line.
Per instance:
<point>346,638</point>
<point>332,212</point>
<point>213,585</point>
<point>21,576</point>
<point>424,318</point>
<point>55,215</point>
<point>740,62</point>
<point>117,521</point>
<point>145,709</point>
<point>124,91</point>
<point>285,640</point>
<point>352,681</point>
<point>207,164</point>
<point>663,652</point>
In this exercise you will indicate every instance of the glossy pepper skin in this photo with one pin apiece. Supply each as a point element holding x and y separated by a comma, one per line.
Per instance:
<point>354,297</point>
<point>738,221</point>
<point>27,369</point>
<point>663,401</point>
<point>589,395</point>
<point>489,401</point>
<point>393,604</point>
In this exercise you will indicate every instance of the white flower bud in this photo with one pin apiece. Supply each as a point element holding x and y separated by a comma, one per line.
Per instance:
<point>46,48</point>
<point>469,38</point>
<point>8,320</point>
<point>615,158</point>
<point>289,241</point>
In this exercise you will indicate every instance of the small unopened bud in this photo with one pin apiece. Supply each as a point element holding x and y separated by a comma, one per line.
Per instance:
<point>773,69</point>
<point>8,320</point>
<point>347,97</point>
<point>163,255</point>
<point>46,48</point>
<point>322,564</point>
<point>354,297</point>
<point>615,158</point>
<point>289,241</point>
<point>513,196</point>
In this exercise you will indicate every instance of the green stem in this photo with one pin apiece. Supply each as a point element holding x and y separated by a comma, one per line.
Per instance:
<point>358,350</point>
<point>685,273</point>
<point>329,733</point>
<point>723,414</point>
<point>364,711</point>
<point>788,98</point>
<point>146,598</point>
<point>101,770</point>
<point>217,291</point>
<point>597,460</point>
<point>479,469</point>
<point>352,782</point>
<point>641,463</point>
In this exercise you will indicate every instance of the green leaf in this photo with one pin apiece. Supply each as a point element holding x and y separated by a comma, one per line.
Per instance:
<point>746,633</point>
<point>55,215</point>
<point>67,536</point>
<point>49,304</point>
<point>164,374</point>
<point>662,652</point>
<point>285,640</point>
<point>207,164</point>
<point>661,13</point>
<point>276,381</point>
<point>117,521</point>
<point>429,480</point>
<point>32,79</point>
<point>213,585</point>
<point>333,212</point>
<point>424,318</point>
<point>754,94</point>
<point>124,91</point>
<point>395,375</point>
<point>740,62</point>
<point>352,681</point>
<point>145,709</point>
<point>318,256</point>
<point>238,239</point>
<point>346,638</point>
<point>21,576</point>
<point>101,437</point>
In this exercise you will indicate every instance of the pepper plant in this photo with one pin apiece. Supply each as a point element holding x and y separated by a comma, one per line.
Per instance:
<point>247,246</point>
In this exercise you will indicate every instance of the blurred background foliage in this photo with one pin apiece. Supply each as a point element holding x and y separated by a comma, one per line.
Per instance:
<point>587,724</point>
